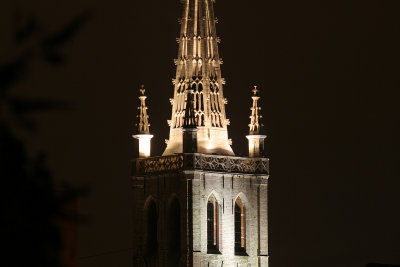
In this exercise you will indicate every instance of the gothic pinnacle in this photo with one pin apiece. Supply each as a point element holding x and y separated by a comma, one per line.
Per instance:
<point>143,125</point>
<point>255,117</point>
<point>255,137</point>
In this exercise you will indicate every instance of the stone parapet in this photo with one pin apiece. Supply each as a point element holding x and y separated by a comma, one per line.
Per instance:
<point>197,161</point>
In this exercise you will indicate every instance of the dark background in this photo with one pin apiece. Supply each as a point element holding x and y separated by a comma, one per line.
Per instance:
<point>329,80</point>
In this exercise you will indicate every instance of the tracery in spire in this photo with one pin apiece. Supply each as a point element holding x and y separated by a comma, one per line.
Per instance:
<point>198,69</point>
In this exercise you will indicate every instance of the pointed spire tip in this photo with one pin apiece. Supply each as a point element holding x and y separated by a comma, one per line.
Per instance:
<point>255,90</point>
<point>142,89</point>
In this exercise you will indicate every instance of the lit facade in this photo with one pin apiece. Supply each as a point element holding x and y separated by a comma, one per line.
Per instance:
<point>199,204</point>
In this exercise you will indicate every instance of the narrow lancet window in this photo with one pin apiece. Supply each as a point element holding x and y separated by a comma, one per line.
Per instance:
<point>151,245</point>
<point>240,227</point>
<point>174,231</point>
<point>212,225</point>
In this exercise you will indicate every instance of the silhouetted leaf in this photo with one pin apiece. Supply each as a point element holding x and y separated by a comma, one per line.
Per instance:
<point>25,32</point>
<point>13,71</point>
<point>51,43</point>
<point>53,57</point>
<point>26,123</point>
<point>22,106</point>
<point>30,205</point>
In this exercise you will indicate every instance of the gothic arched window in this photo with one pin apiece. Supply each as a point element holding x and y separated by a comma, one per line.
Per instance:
<point>212,225</point>
<point>240,227</point>
<point>151,236</point>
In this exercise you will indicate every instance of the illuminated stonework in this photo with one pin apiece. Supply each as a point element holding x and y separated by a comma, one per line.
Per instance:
<point>180,162</point>
<point>255,137</point>
<point>143,127</point>
<point>199,205</point>
<point>144,144</point>
<point>198,68</point>
<point>188,181</point>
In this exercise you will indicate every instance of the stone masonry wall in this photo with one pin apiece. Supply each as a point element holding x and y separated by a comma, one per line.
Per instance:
<point>193,189</point>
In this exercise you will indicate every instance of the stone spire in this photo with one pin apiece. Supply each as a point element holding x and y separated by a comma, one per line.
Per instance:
<point>255,137</point>
<point>198,69</point>
<point>143,127</point>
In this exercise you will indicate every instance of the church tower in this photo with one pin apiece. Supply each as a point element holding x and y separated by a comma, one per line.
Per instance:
<point>198,204</point>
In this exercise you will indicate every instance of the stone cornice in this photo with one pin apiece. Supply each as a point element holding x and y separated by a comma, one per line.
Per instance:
<point>204,162</point>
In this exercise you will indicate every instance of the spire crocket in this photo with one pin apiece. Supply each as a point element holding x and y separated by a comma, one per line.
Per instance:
<point>198,69</point>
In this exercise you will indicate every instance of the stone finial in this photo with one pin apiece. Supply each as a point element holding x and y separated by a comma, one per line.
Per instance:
<point>255,117</point>
<point>143,125</point>
<point>255,90</point>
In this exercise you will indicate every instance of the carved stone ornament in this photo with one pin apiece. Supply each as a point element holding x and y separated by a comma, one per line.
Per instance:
<point>213,163</point>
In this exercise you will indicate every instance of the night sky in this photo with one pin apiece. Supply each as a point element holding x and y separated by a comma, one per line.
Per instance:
<point>329,76</point>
